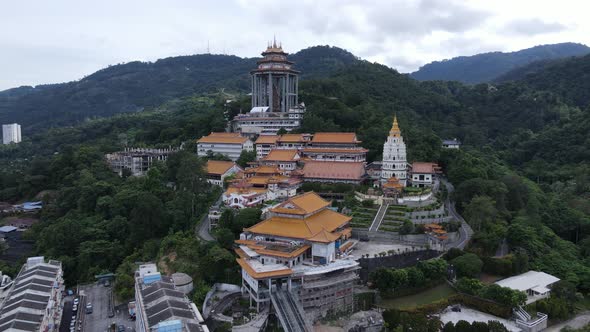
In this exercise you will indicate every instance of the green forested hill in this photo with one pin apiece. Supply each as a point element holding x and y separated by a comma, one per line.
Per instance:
<point>567,78</point>
<point>486,67</point>
<point>523,173</point>
<point>136,86</point>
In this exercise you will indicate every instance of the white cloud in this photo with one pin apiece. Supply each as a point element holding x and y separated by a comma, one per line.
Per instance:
<point>63,40</point>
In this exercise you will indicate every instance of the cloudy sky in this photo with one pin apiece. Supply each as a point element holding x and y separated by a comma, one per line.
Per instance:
<point>63,40</point>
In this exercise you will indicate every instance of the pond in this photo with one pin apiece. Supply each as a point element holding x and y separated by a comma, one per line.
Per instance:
<point>434,294</point>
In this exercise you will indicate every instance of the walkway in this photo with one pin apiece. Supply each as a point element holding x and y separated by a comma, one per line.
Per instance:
<point>379,217</point>
<point>582,319</point>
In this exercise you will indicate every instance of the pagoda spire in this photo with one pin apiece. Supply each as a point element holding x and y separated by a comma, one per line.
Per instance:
<point>395,131</point>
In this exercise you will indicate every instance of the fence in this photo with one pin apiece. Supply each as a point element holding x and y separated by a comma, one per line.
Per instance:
<point>397,261</point>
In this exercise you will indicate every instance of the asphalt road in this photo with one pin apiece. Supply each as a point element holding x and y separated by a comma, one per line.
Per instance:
<point>465,232</point>
<point>99,320</point>
<point>66,317</point>
<point>203,227</point>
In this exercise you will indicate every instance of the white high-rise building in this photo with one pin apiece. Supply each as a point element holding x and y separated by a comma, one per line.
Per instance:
<point>11,133</point>
<point>394,156</point>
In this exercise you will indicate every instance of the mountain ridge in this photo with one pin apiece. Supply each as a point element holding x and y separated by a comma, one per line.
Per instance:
<point>485,67</point>
<point>136,85</point>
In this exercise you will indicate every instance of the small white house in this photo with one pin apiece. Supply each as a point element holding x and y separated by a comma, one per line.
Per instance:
<point>451,143</point>
<point>536,285</point>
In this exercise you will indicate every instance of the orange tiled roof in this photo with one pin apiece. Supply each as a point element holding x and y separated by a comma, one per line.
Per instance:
<point>437,226</point>
<point>334,170</point>
<point>292,138</point>
<point>258,180</point>
<point>241,253</point>
<point>282,155</point>
<point>348,138</point>
<point>393,183</point>
<point>294,253</point>
<point>428,168</point>
<point>263,274</point>
<point>227,138</point>
<point>345,246</point>
<point>218,167</point>
<point>267,170</point>
<point>324,237</point>
<point>267,139</point>
<point>308,228</point>
<point>306,203</point>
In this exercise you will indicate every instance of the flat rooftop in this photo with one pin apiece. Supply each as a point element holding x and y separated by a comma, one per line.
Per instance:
<point>535,280</point>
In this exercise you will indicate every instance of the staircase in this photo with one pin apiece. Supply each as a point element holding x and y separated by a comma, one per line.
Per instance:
<point>379,217</point>
<point>521,314</point>
<point>289,312</point>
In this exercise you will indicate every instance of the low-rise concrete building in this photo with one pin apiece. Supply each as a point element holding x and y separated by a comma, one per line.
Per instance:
<point>536,285</point>
<point>230,145</point>
<point>423,174</point>
<point>137,161</point>
<point>161,306</point>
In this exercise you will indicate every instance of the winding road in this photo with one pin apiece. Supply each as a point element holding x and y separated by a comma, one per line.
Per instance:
<point>465,232</point>
<point>202,229</point>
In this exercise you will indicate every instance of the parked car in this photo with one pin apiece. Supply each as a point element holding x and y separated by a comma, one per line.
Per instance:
<point>121,328</point>
<point>107,283</point>
<point>89,308</point>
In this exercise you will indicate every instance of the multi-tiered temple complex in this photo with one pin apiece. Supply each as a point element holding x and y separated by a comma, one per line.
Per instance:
<point>297,259</point>
<point>275,103</point>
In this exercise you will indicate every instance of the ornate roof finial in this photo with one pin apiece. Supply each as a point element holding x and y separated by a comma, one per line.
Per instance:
<point>274,41</point>
<point>395,131</point>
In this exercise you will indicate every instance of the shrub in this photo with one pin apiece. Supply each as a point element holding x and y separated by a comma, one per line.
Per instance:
<point>468,265</point>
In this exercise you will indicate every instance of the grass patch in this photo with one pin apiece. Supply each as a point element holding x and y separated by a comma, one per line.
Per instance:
<point>428,296</point>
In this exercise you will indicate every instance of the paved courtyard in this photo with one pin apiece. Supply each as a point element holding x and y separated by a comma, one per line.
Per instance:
<point>375,247</point>
<point>471,316</point>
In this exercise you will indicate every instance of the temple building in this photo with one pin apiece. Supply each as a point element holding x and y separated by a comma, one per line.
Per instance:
<point>265,143</point>
<point>335,147</point>
<point>230,145</point>
<point>275,100</point>
<point>297,260</point>
<point>259,184</point>
<point>334,172</point>
<point>394,156</point>
<point>218,170</point>
<point>286,160</point>
<point>293,141</point>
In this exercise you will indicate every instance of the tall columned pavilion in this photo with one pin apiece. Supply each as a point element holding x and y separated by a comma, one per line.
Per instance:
<point>275,83</point>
